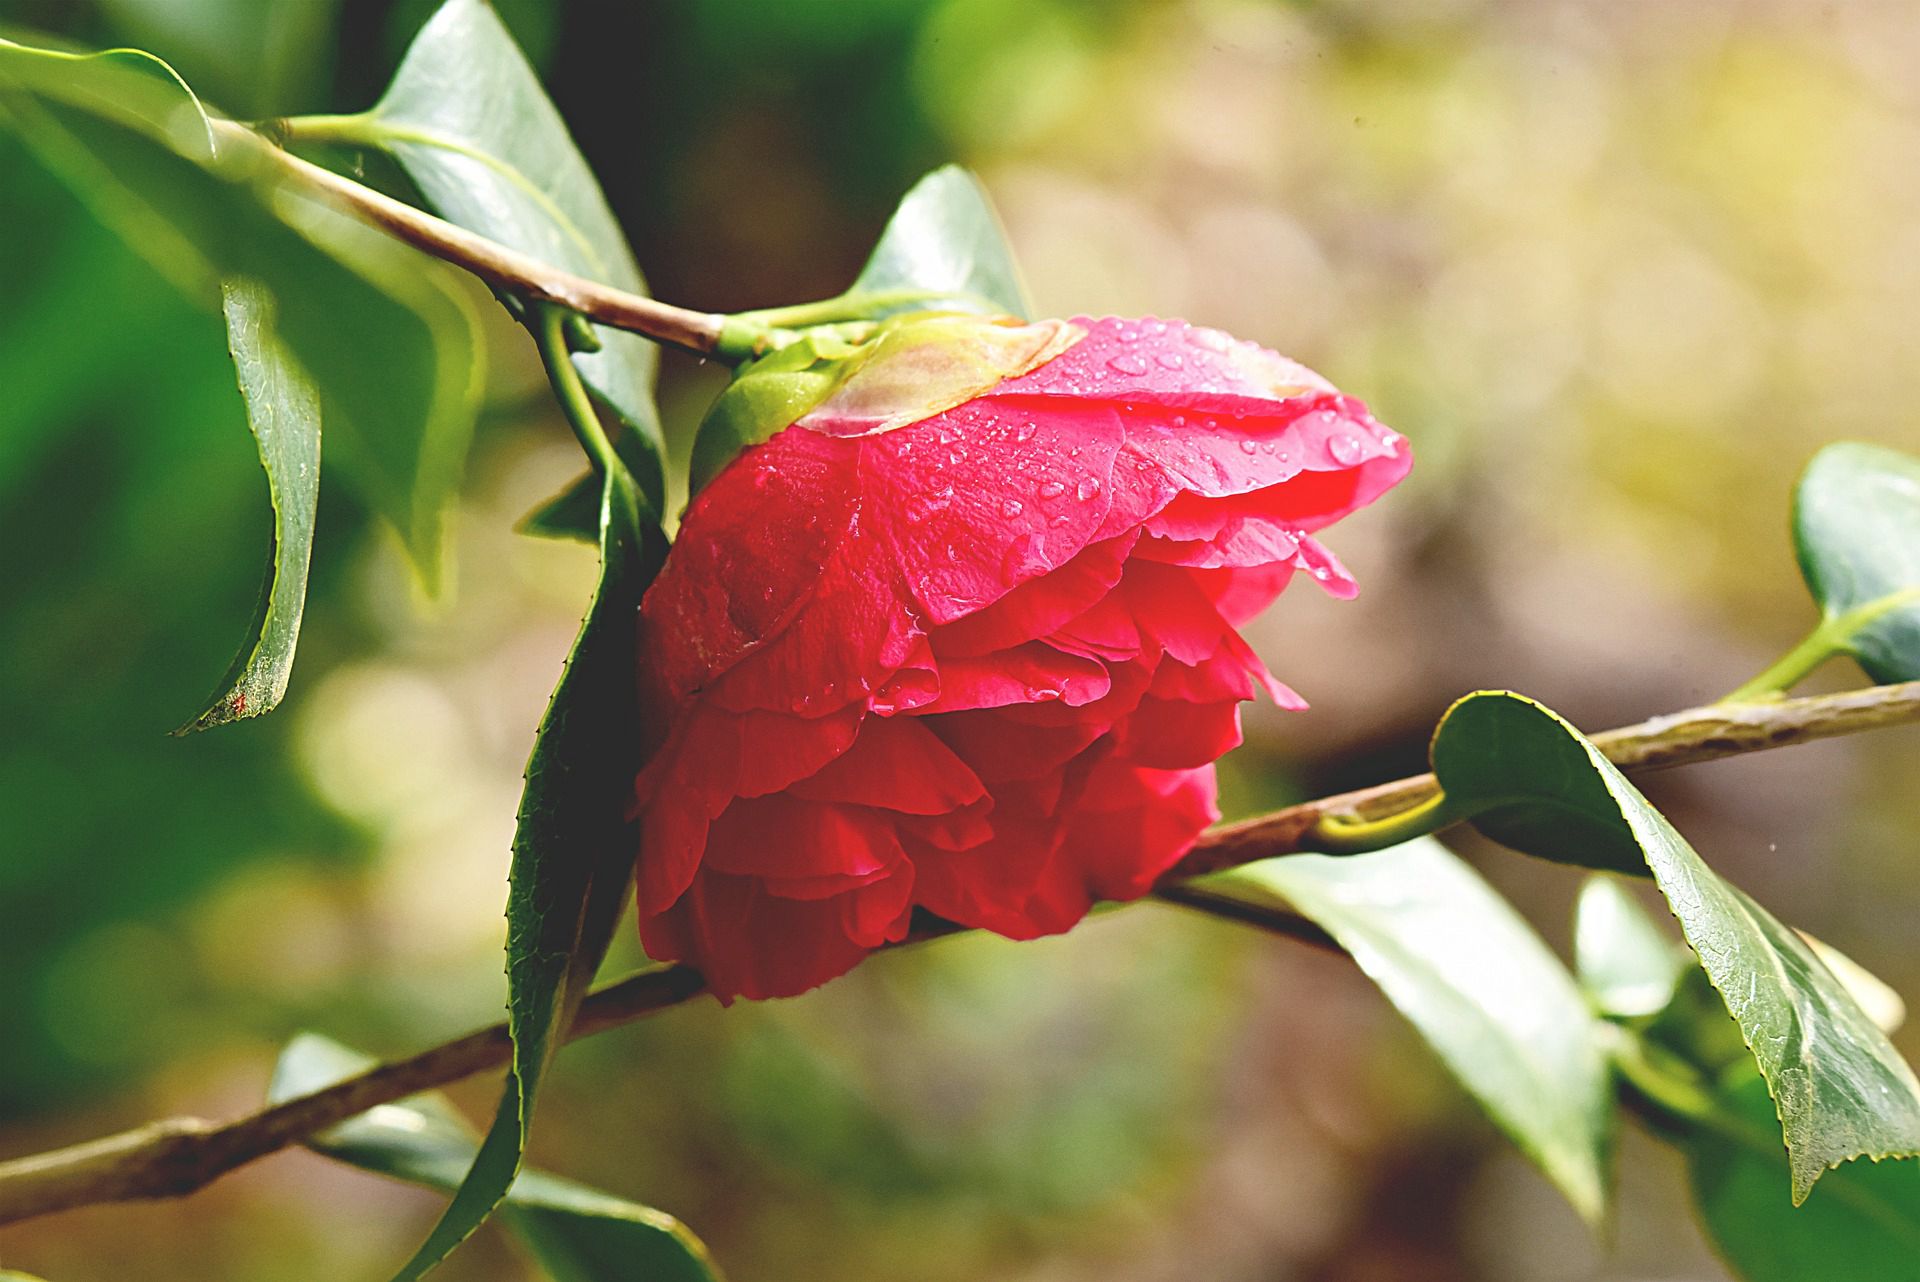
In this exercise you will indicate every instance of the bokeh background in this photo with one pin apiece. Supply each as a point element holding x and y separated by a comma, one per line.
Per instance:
<point>1618,270</point>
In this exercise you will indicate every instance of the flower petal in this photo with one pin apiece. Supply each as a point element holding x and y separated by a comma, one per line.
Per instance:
<point>896,764</point>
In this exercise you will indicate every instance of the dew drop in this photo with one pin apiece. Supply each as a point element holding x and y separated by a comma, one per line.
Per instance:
<point>1024,432</point>
<point>1171,360</point>
<point>1019,559</point>
<point>1346,450</point>
<point>1042,694</point>
<point>1088,487</point>
<point>1248,445</point>
<point>1179,420</point>
<point>1011,507</point>
<point>1127,365</point>
<point>1052,490</point>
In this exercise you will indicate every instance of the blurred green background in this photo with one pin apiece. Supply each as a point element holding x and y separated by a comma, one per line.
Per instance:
<point>1617,270</point>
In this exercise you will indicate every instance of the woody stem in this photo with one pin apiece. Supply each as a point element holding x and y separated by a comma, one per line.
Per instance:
<point>178,1156</point>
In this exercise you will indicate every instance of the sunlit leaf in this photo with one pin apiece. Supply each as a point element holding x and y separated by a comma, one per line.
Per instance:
<point>1840,1088</point>
<point>1455,959</point>
<point>579,1234</point>
<point>284,413</point>
<point>467,119</point>
<point>945,240</point>
<point>387,336</point>
<point>1856,528</point>
<point>1627,967</point>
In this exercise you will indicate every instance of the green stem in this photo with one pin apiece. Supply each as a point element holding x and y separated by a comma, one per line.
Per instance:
<point>342,131</point>
<point>1337,834</point>
<point>1832,636</point>
<point>549,325</point>
<point>856,304</point>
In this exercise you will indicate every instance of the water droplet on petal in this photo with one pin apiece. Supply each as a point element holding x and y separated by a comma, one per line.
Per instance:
<point>1346,450</point>
<point>1127,364</point>
<point>1041,694</point>
<point>1088,487</point>
<point>1179,420</point>
<point>1023,554</point>
<point>1052,490</point>
<point>1248,445</point>
<point>1171,360</point>
<point>1024,432</point>
<point>1011,507</point>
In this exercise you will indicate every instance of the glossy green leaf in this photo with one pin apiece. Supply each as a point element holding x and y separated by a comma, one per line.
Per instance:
<point>578,1234</point>
<point>387,336</point>
<point>1861,1225</point>
<point>467,119</point>
<point>1856,529</point>
<point>1485,991</point>
<point>284,412</point>
<point>573,851</point>
<point>944,240</point>
<point>1628,968</point>
<point>1529,784</point>
<point>1840,1088</point>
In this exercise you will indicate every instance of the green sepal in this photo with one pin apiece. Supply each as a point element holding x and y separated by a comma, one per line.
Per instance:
<point>866,378</point>
<point>767,395</point>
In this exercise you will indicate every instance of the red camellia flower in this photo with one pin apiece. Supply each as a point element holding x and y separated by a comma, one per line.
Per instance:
<point>981,662</point>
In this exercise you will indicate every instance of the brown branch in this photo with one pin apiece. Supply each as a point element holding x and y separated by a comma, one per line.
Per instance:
<point>505,268</point>
<point>178,1156</point>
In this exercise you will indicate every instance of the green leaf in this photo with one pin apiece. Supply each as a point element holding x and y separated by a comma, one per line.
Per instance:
<point>573,851</point>
<point>1863,1223</point>
<point>1479,984</point>
<point>1529,784</point>
<point>1856,529</point>
<point>945,240</point>
<point>578,1234</point>
<point>574,513</point>
<point>1627,967</point>
<point>467,119</point>
<point>387,336</point>
<point>1840,1088</point>
<point>284,413</point>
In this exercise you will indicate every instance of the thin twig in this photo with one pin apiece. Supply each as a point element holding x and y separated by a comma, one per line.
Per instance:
<point>505,268</point>
<point>178,1156</point>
